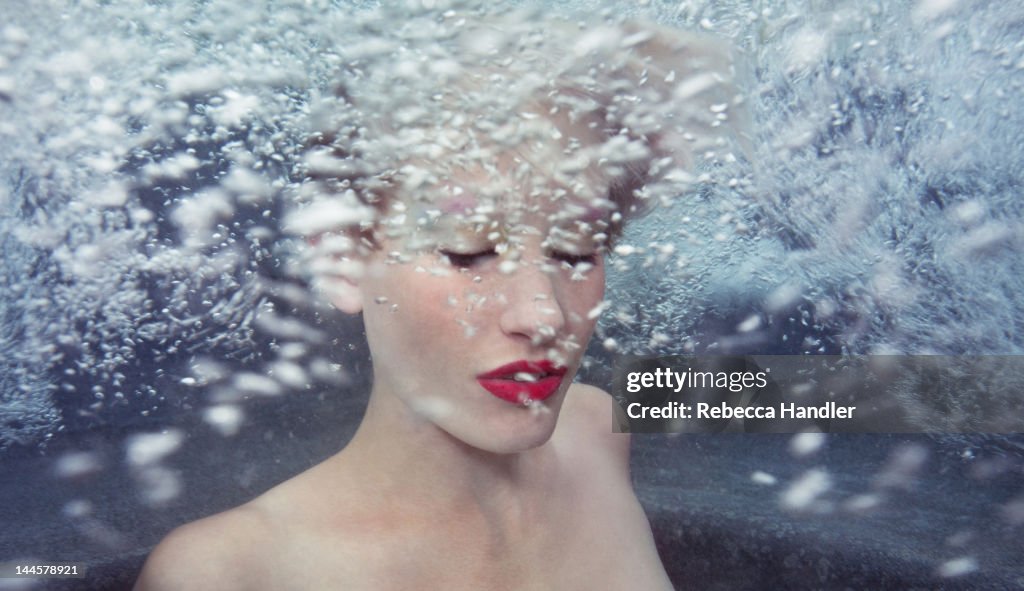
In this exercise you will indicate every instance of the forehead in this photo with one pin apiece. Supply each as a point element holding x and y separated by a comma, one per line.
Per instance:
<point>463,213</point>
<point>470,213</point>
<point>531,148</point>
<point>539,160</point>
<point>530,194</point>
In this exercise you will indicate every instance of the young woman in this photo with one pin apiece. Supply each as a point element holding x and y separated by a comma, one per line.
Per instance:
<point>462,195</point>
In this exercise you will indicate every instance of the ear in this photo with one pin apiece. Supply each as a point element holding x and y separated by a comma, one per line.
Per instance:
<point>342,292</point>
<point>336,276</point>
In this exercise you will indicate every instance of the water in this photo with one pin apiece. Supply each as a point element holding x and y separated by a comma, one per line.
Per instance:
<point>154,301</point>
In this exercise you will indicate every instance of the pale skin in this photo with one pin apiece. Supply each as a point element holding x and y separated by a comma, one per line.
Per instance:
<point>563,517</point>
<point>445,486</point>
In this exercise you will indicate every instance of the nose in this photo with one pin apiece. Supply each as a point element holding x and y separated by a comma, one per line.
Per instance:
<point>533,307</point>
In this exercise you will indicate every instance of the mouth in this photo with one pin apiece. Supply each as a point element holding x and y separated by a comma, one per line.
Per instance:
<point>522,382</point>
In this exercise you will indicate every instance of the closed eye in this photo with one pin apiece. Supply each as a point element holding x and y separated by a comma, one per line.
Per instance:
<point>468,259</point>
<point>574,259</point>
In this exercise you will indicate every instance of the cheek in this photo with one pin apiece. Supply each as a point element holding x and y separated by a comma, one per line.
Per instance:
<point>418,304</point>
<point>451,307</point>
<point>581,298</point>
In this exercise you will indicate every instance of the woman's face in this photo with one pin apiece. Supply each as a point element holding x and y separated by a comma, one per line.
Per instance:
<point>478,315</point>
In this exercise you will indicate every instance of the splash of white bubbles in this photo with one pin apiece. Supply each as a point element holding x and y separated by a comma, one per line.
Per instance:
<point>882,215</point>
<point>150,152</point>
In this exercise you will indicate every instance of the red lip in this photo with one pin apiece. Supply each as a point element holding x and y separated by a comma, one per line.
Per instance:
<point>501,381</point>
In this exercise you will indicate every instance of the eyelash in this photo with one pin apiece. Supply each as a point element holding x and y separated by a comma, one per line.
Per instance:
<point>469,259</point>
<point>575,259</point>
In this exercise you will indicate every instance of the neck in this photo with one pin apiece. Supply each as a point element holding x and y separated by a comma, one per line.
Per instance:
<point>395,451</point>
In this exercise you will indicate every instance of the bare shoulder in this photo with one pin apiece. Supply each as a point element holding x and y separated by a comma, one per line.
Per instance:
<point>586,422</point>
<point>585,436</point>
<point>220,552</point>
<point>618,529</point>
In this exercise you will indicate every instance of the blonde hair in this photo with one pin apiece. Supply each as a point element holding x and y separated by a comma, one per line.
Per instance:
<point>633,104</point>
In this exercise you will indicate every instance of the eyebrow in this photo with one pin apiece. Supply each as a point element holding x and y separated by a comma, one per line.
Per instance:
<point>593,214</point>
<point>583,212</point>
<point>464,204</point>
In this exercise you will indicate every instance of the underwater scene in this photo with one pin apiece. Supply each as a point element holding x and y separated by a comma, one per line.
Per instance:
<point>231,228</point>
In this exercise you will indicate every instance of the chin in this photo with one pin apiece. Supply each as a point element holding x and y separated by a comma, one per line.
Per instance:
<point>515,436</point>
